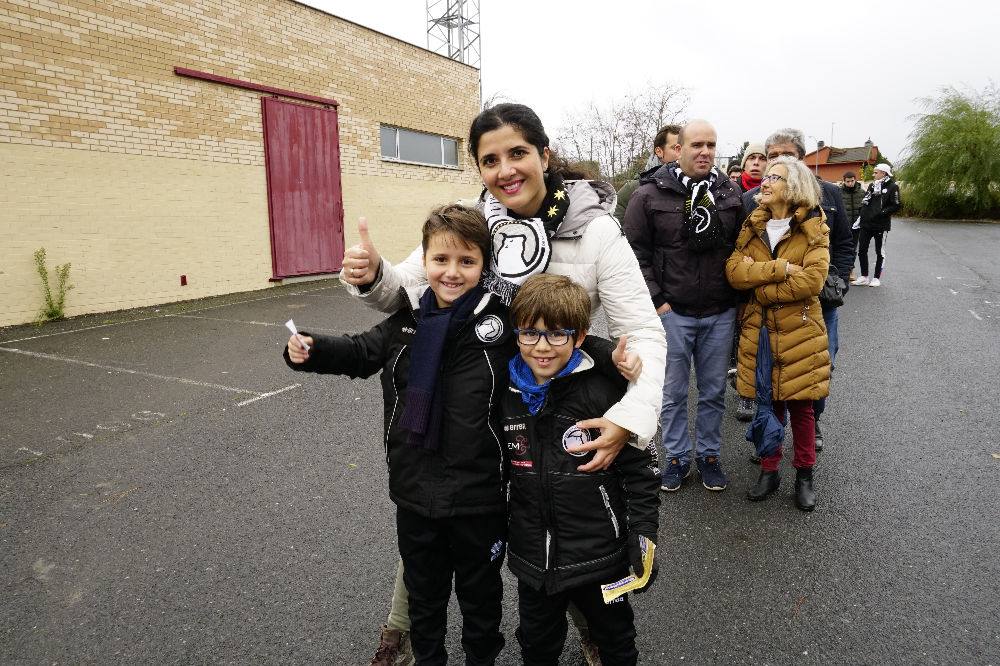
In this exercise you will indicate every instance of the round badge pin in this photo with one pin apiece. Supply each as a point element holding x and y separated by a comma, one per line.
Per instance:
<point>575,436</point>
<point>489,328</point>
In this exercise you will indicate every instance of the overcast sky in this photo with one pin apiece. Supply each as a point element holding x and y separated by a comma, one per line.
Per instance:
<point>840,71</point>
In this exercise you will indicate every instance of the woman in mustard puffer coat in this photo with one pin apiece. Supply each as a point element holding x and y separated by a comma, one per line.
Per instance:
<point>782,257</point>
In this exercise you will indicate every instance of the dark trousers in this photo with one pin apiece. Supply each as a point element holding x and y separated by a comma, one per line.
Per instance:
<point>831,317</point>
<point>863,242</point>
<point>470,547</point>
<point>542,629</point>
<point>803,435</point>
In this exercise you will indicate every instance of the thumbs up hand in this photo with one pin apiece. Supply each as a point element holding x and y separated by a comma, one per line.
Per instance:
<point>361,261</point>
<point>629,364</point>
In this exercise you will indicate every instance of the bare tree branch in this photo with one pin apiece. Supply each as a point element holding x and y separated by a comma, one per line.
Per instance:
<point>618,136</point>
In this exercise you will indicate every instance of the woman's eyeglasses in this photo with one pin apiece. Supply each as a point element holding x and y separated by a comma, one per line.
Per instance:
<point>556,338</point>
<point>772,177</point>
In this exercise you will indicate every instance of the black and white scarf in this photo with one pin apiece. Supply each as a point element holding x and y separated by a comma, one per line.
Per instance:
<point>876,190</point>
<point>521,246</point>
<point>702,227</point>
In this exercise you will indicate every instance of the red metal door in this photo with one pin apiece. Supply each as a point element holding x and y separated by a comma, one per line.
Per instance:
<point>305,202</point>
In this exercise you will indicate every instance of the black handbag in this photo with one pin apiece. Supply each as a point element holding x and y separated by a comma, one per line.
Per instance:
<point>832,294</point>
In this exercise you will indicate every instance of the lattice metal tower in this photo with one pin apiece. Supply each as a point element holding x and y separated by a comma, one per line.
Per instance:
<point>453,29</point>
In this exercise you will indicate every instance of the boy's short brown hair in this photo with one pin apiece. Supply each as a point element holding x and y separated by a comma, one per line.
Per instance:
<point>467,224</point>
<point>556,299</point>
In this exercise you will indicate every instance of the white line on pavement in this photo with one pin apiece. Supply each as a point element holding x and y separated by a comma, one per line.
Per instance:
<point>255,323</point>
<point>112,368</point>
<point>973,312</point>
<point>228,321</point>
<point>161,316</point>
<point>267,395</point>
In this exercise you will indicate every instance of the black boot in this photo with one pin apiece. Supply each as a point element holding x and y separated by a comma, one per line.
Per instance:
<point>819,438</point>
<point>805,494</point>
<point>766,484</point>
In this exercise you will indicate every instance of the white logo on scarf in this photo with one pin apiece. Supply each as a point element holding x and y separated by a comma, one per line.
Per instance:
<point>701,218</point>
<point>575,436</point>
<point>520,249</point>
<point>489,328</point>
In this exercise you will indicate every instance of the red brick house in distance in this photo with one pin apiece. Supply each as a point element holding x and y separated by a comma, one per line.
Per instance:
<point>831,163</point>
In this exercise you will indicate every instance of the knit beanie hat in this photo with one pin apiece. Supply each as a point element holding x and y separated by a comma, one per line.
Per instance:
<point>752,149</point>
<point>884,167</point>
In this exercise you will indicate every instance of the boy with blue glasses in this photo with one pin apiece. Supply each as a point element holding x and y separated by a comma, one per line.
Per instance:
<point>570,531</point>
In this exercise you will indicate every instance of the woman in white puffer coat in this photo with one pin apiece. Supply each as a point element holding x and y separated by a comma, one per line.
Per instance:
<point>543,222</point>
<point>543,218</point>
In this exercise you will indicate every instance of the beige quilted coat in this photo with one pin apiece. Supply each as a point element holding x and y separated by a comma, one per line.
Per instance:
<point>788,303</point>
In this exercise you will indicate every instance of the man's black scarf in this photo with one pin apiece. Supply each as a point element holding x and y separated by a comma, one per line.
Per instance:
<point>424,401</point>
<point>702,227</point>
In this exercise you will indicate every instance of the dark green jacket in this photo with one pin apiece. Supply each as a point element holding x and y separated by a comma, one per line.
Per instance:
<point>624,195</point>
<point>852,200</point>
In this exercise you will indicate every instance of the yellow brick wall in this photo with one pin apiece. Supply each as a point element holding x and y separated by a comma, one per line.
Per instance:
<point>116,164</point>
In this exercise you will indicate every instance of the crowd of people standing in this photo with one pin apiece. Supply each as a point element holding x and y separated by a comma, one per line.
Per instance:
<point>697,268</point>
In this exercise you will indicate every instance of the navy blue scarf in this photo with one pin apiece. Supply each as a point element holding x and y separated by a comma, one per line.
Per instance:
<point>422,414</point>
<point>532,393</point>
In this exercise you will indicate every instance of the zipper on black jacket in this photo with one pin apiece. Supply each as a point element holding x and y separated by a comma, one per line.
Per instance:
<point>611,512</point>
<point>395,404</point>
<point>543,478</point>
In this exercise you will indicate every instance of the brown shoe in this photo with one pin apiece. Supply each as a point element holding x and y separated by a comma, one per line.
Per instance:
<point>591,655</point>
<point>393,649</point>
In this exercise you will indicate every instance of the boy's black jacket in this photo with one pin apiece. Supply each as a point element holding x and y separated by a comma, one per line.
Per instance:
<point>466,475</point>
<point>569,528</point>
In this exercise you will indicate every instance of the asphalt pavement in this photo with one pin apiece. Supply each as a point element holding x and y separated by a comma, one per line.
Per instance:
<point>171,493</point>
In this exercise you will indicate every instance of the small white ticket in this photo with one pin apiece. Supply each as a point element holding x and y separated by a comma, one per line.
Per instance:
<point>290,325</point>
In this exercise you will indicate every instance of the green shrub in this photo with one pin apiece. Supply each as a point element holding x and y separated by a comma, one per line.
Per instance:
<point>54,307</point>
<point>953,170</point>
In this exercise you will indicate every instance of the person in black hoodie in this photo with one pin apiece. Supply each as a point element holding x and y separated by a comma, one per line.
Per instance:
<point>569,531</point>
<point>444,368</point>
<point>875,220</point>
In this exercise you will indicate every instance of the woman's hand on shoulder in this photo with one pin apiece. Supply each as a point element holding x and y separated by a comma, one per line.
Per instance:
<point>606,447</point>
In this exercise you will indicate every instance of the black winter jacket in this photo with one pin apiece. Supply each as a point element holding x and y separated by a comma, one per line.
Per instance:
<point>842,253</point>
<point>694,284</point>
<point>852,196</point>
<point>569,528</point>
<point>877,213</point>
<point>466,475</point>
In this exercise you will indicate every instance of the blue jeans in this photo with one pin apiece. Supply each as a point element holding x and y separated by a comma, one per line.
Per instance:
<point>708,340</point>
<point>832,318</point>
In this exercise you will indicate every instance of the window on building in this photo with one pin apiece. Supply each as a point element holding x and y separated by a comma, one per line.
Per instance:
<point>408,146</point>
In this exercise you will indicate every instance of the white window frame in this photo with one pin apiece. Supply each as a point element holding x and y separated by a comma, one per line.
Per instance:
<point>441,165</point>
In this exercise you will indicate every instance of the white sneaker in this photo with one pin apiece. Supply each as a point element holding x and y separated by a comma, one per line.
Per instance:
<point>875,282</point>
<point>863,280</point>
